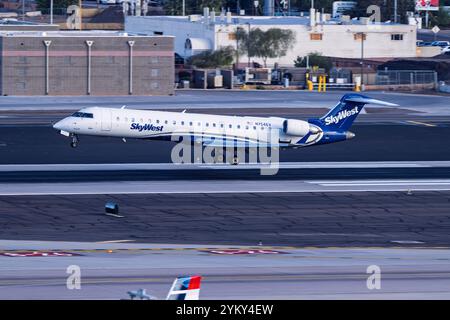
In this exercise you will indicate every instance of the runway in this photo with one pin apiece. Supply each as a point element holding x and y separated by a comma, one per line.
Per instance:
<point>245,218</point>
<point>327,214</point>
<point>39,145</point>
<point>296,273</point>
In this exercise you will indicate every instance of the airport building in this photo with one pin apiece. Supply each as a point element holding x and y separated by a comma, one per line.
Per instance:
<point>339,37</point>
<point>85,63</point>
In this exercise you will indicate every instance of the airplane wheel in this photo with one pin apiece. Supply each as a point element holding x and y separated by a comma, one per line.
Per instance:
<point>235,161</point>
<point>73,144</point>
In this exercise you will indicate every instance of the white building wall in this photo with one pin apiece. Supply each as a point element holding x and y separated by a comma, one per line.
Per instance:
<point>337,40</point>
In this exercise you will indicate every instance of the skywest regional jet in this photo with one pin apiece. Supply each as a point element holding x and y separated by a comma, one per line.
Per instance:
<point>215,130</point>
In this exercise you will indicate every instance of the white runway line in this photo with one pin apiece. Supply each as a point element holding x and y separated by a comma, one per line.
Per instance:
<point>219,186</point>
<point>195,166</point>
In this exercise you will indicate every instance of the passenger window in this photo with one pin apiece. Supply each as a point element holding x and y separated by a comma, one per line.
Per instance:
<point>182,123</point>
<point>190,123</point>
<point>221,125</point>
<point>174,122</point>
<point>238,126</point>
<point>214,125</point>
<point>166,122</point>
<point>230,126</point>
<point>254,127</point>
<point>207,124</point>
<point>246,127</point>
<point>118,118</point>
<point>199,124</point>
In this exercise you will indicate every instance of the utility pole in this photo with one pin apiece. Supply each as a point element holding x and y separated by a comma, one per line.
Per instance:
<point>395,10</point>
<point>81,14</point>
<point>362,57</point>
<point>51,11</point>
<point>23,10</point>
<point>248,45</point>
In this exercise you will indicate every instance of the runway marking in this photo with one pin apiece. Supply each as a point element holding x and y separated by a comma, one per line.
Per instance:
<point>115,241</point>
<point>422,123</point>
<point>206,166</point>
<point>206,249</point>
<point>407,242</point>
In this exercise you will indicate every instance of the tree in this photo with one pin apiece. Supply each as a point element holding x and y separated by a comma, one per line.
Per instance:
<point>315,59</point>
<point>213,59</point>
<point>273,43</point>
<point>44,5</point>
<point>440,18</point>
<point>175,7</point>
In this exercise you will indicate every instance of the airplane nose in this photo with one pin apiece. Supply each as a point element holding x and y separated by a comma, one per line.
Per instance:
<point>58,125</point>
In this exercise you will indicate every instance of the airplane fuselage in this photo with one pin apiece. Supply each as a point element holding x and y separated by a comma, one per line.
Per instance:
<point>146,124</point>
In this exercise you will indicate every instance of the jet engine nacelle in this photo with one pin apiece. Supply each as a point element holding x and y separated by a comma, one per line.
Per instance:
<point>298,128</point>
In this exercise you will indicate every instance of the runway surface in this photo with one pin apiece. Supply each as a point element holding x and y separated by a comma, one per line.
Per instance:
<point>297,219</point>
<point>331,211</point>
<point>34,145</point>
<point>295,273</point>
<point>221,99</point>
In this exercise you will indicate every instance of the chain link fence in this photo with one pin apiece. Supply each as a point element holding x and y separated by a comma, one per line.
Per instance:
<point>397,77</point>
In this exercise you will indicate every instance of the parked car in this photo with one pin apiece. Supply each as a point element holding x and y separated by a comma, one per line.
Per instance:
<point>446,50</point>
<point>441,44</point>
<point>423,44</point>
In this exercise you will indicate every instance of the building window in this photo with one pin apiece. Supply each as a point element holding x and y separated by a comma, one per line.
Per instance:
<point>155,72</point>
<point>315,36</point>
<point>158,33</point>
<point>232,36</point>
<point>357,36</point>
<point>155,85</point>
<point>396,37</point>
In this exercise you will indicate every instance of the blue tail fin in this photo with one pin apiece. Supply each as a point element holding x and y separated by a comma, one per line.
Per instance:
<point>341,117</point>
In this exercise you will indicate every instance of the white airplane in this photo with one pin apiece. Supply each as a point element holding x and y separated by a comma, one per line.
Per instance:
<point>217,131</point>
<point>183,288</point>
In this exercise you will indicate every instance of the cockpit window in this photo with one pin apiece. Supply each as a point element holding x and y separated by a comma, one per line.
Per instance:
<point>83,115</point>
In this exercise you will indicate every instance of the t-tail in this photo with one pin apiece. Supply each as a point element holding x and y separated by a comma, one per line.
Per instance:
<point>185,288</point>
<point>337,122</point>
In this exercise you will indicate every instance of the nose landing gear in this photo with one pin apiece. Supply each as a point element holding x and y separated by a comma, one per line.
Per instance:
<point>75,141</point>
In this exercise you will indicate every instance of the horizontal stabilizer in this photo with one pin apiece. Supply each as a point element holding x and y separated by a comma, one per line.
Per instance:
<point>367,100</point>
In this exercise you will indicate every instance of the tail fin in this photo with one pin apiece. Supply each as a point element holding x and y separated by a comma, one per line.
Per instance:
<point>341,117</point>
<point>185,288</point>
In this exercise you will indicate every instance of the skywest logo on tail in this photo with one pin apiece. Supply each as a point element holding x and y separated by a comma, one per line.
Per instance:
<point>341,115</point>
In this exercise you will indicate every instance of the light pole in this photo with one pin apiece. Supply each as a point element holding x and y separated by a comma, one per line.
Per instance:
<point>362,34</point>
<point>248,44</point>
<point>51,11</point>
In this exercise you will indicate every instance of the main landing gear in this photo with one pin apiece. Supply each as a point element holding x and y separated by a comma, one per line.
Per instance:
<point>75,141</point>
